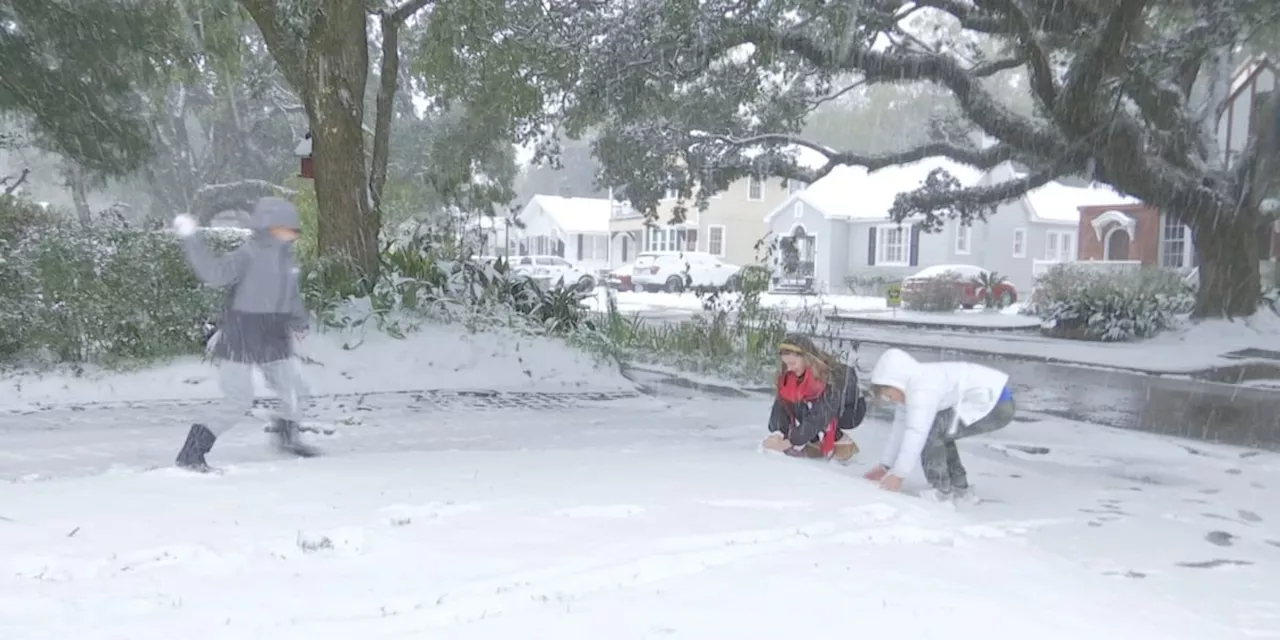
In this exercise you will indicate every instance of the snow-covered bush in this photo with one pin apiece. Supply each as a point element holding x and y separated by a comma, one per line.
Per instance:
<point>942,293</point>
<point>420,279</point>
<point>109,292</point>
<point>114,293</point>
<point>872,285</point>
<point>1090,304</point>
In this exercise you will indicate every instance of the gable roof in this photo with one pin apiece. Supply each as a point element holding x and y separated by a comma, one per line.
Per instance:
<point>1057,202</point>
<point>573,215</point>
<point>853,193</point>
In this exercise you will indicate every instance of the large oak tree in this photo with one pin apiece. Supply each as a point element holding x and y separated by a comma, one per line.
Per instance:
<point>1126,92</point>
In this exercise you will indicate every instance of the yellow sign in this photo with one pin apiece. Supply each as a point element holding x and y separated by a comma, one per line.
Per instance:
<point>893,296</point>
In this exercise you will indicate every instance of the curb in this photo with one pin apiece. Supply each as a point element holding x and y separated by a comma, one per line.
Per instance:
<point>936,326</point>
<point>157,403</point>
<point>678,380</point>
<point>994,355</point>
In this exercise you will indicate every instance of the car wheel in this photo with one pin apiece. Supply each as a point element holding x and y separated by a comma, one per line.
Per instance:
<point>675,284</point>
<point>1006,298</point>
<point>966,306</point>
<point>586,283</point>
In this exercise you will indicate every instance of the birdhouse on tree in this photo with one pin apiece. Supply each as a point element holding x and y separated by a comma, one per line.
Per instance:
<point>303,151</point>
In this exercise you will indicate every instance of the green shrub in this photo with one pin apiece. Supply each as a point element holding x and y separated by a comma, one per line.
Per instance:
<point>876,286</point>
<point>1090,304</point>
<point>115,294</point>
<point>110,293</point>
<point>940,294</point>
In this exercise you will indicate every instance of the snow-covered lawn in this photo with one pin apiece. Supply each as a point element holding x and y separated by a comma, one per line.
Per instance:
<point>640,301</point>
<point>437,357</point>
<point>1194,348</point>
<point>635,519</point>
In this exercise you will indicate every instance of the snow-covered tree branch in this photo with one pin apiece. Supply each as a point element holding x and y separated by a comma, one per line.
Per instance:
<point>692,94</point>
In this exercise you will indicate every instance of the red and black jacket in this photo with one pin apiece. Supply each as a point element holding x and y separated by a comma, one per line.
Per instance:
<point>805,406</point>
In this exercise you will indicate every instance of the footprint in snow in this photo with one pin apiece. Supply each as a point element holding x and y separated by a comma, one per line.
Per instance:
<point>1249,516</point>
<point>1220,538</point>
<point>1214,564</point>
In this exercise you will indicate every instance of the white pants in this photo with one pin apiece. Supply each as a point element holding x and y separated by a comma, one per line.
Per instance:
<point>236,380</point>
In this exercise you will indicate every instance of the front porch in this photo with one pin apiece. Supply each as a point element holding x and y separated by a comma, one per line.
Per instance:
<point>795,262</point>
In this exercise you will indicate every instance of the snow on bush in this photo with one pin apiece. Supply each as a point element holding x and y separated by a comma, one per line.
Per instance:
<point>108,293</point>
<point>113,293</point>
<point>1110,306</point>
<point>937,294</point>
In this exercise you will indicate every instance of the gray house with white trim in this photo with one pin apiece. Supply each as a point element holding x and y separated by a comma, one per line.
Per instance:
<point>839,228</point>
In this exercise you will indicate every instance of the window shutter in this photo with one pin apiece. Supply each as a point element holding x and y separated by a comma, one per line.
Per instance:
<point>579,246</point>
<point>871,247</point>
<point>560,248</point>
<point>915,246</point>
<point>692,243</point>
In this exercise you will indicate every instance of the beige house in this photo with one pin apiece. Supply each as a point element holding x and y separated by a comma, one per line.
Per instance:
<point>731,226</point>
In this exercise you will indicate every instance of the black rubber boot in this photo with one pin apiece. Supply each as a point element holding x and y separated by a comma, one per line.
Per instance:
<point>289,439</point>
<point>199,441</point>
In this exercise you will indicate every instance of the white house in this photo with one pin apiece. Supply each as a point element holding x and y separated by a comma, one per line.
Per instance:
<point>576,229</point>
<point>840,227</point>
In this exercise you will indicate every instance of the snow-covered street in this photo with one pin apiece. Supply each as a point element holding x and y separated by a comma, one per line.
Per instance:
<point>590,516</point>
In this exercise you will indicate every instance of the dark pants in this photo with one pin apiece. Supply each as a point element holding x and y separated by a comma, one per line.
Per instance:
<point>941,459</point>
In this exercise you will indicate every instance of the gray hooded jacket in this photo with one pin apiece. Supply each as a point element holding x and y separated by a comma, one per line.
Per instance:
<point>264,305</point>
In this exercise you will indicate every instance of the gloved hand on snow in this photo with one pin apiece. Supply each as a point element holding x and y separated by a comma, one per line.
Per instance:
<point>185,225</point>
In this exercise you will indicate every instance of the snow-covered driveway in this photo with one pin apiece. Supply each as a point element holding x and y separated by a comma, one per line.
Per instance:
<point>632,518</point>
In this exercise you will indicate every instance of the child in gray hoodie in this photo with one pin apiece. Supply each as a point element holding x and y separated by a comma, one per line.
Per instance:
<point>263,311</point>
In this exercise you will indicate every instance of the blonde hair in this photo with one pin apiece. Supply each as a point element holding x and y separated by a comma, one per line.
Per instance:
<point>821,367</point>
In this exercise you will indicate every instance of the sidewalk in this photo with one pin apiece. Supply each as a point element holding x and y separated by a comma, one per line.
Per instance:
<point>1197,351</point>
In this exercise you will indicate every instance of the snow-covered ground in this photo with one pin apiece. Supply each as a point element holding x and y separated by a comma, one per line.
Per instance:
<point>635,518</point>
<point>437,357</point>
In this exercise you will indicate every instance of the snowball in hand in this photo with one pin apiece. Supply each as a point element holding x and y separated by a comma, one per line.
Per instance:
<point>185,225</point>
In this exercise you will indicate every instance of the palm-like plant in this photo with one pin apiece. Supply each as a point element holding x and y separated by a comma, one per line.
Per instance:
<point>988,283</point>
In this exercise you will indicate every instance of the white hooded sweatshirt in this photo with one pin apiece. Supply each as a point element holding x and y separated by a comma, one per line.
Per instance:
<point>931,387</point>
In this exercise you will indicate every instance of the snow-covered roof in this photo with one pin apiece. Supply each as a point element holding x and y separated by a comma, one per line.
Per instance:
<point>850,193</point>
<point>1060,203</point>
<point>571,215</point>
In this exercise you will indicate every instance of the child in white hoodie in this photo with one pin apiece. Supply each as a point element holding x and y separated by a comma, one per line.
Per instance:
<point>936,403</point>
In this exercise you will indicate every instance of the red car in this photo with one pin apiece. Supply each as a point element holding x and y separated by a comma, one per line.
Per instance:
<point>966,278</point>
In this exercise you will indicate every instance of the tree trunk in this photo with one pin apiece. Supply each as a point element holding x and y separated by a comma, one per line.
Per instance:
<point>336,71</point>
<point>1228,261</point>
<point>77,183</point>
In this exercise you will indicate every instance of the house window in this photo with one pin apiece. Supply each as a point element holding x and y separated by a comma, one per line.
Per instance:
<point>891,245</point>
<point>796,186</point>
<point>1019,243</point>
<point>1060,246</point>
<point>595,247</point>
<point>715,240</point>
<point>671,193</point>
<point>670,239</point>
<point>542,245</point>
<point>798,209</point>
<point>755,188</point>
<point>1175,243</point>
<point>964,238</point>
